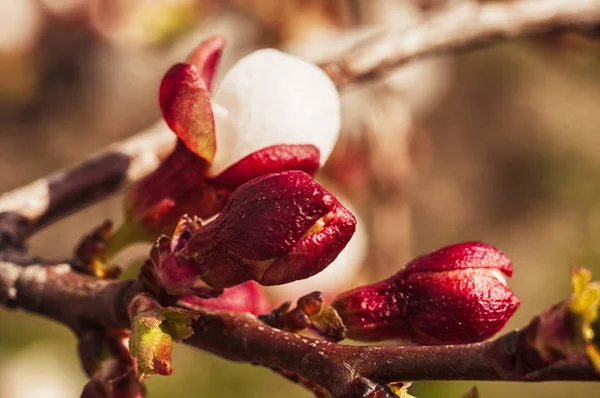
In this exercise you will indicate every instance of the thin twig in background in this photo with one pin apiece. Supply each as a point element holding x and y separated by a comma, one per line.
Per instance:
<point>461,26</point>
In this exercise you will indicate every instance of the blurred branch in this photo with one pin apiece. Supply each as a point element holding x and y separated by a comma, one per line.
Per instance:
<point>28,209</point>
<point>460,26</point>
<point>80,301</point>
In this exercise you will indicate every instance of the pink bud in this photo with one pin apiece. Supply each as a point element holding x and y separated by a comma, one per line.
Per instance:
<point>455,295</point>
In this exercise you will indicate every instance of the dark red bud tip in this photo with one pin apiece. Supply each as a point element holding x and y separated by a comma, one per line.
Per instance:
<point>440,298</point>
<point>461,256</point>
<point>274,229</point>
<point>185,104</point>
<point>206,58</point>
<point>272,159</point>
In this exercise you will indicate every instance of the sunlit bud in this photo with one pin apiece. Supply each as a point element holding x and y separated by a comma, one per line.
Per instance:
<point>454,295</point>
<point>275,229</point>
<point>153,330</point>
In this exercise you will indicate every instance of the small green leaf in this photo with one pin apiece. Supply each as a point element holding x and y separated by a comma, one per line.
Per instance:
<point>178,322</point>
<point>153,331</point>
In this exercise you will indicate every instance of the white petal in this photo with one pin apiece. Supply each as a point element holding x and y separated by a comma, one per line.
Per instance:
<point>500,276</point>
<point>273,98</point>
<point>338,276</point>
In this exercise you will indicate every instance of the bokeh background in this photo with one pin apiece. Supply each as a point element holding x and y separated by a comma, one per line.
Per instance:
<point>499,144</point>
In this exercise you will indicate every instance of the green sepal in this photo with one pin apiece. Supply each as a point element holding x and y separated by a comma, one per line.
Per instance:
<point>153,330</point>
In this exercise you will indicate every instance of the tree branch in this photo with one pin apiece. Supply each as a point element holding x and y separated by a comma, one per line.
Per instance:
<point>460,26</point>
<point>79,300</point>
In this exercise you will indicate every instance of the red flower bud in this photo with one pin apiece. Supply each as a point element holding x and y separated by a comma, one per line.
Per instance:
<point>247,297</point>
<point>455,295</point>
<point>274,229</point>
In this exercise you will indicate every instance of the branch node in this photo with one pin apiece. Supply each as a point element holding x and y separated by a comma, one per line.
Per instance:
<point>30,286</point>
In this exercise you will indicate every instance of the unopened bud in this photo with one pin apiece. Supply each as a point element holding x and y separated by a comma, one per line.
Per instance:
<point>455,295</point>
<point>275,229</point>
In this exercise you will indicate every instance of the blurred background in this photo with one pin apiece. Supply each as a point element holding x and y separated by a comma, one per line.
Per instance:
<point>499,145</point>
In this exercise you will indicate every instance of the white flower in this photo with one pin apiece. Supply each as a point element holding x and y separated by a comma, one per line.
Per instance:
<point>269,98</point>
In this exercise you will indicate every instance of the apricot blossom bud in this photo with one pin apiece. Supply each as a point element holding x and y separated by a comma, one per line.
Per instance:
<point>454,295</point>
<point>272,112</point>
<point>275,229</point>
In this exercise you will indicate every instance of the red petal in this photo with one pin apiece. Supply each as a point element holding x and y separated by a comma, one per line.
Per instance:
<point>313,253</point>
<point>461,256</point>
<point>272,159</point>
<point>206,58</point>
<point>185,105</point>
<point>267,216</point>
